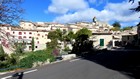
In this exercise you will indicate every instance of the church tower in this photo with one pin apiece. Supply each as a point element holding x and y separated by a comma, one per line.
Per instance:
<point>94,19</point>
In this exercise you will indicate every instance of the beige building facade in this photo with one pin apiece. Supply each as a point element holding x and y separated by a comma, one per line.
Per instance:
<point>102,40</point>
<point>39,31</point>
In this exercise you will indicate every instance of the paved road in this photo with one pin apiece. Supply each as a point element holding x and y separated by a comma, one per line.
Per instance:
<point>72,69</point>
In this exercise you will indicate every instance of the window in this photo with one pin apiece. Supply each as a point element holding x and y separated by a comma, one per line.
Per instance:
<point>24,32</point>
<point>38,34</point>
<point>20,33</point>
<point>30,47</point>
<point>45,34</point>
<point>24,36</point>
<point>37,38</point>
<point>8,33</point>
<point>35,46</point>
<point>30,32</point>
<point>19,37</point>
<point>13,36</point>
<point>13,32</point>
<point>106,30</point>
<point>7,28</point>
<point>30,37</point>
<point>37,42</point>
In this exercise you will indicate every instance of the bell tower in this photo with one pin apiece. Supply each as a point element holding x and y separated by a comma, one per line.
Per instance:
<point>94,19</point>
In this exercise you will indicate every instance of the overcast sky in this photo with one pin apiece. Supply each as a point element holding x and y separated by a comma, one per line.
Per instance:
<point>69,11</point>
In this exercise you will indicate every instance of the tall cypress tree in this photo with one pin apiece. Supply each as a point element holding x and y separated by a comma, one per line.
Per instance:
<point>1,50</point>
<point>2,54</point>
<point>33,44</point>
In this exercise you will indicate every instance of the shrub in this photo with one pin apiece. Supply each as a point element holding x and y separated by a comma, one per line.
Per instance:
<point>8,62</point>
<point>14,59</point>
<point>67,49</point>
<point>56,52</point>
<point>37,56</point>
<point>19,48</point>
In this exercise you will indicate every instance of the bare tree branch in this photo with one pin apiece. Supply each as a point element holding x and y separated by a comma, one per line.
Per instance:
<point>10,11</point>
<point>137,9</point>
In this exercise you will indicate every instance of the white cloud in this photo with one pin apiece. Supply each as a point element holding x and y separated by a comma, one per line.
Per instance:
<point>112,11</point>
<point>63,6</point>
<point>121,11</point>
<point>83,15</point>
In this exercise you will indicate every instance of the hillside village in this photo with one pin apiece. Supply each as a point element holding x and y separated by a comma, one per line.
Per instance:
<point>101,31</point>
<point>69,39</point>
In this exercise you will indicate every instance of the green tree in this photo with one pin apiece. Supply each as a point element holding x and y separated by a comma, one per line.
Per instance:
<point>19,48</point>
<point>64,35</point>
<point>82,43</point>
<point>70,36</point>
<point>33,44</point>
<point>127,28</point>
<point>116,26</point>
<point>53,44</point>
<point>64,32</point>
<point>83,34</point>
<point>4,58</point>
<point>57,34</point>
<point>52,35</point>
<point>10,11</point>
<point>115,29</point>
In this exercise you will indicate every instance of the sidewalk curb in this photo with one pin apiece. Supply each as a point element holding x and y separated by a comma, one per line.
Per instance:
<point>2,73</point>
<point>57,61</point>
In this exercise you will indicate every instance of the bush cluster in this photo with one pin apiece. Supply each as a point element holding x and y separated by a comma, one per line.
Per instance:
<point>25,60</point>
<point>37,56</point>
<point>8,62</point>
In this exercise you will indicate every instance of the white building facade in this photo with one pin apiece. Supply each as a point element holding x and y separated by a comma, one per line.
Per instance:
<point>39,31</point>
